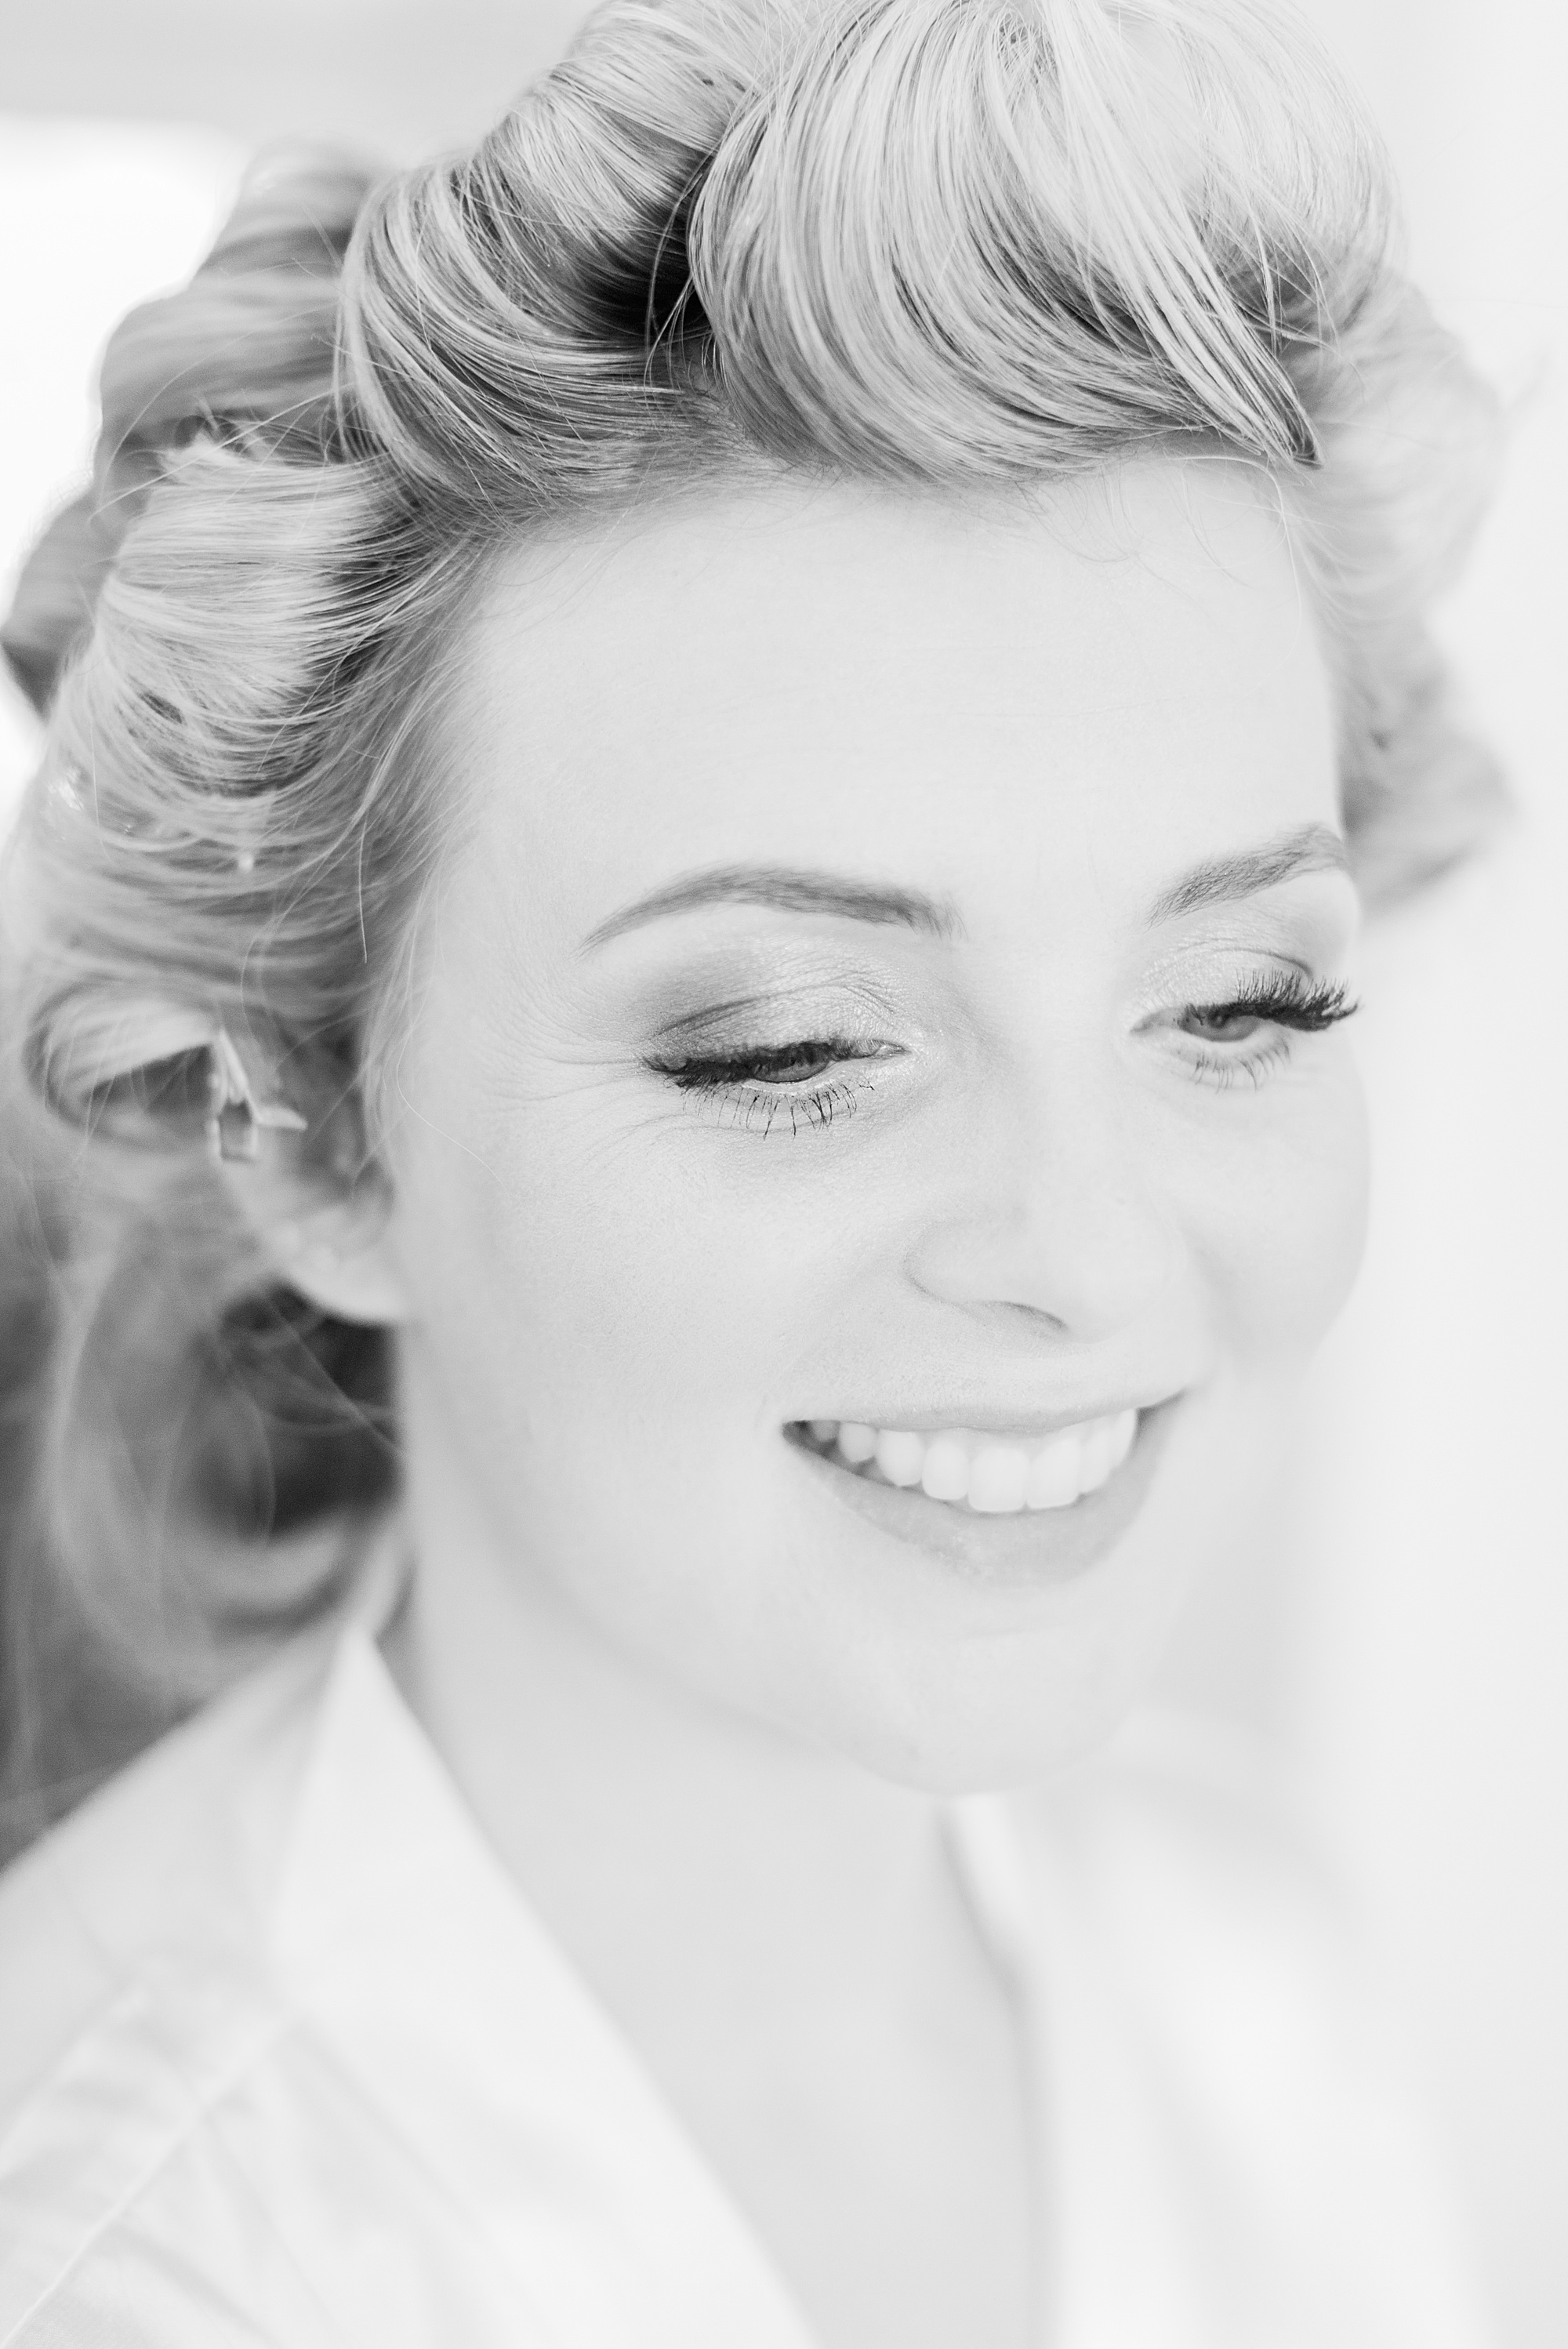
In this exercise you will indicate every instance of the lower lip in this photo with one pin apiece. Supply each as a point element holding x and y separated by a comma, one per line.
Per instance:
<point>1034,1547</point>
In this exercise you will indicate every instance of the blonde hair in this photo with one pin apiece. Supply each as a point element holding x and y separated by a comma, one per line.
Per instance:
<point>937,242</point>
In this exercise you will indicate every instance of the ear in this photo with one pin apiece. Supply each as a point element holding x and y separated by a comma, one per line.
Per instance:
<point>325,1234</point>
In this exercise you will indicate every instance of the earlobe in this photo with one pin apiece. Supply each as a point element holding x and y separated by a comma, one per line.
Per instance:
<point>323,1219</point>
<point>331,1245</point>
<point>337,1259</point>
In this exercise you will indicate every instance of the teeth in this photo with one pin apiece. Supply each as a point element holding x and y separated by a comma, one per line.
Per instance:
<point>1097,1447</point>
<point>900,1455</point>
<point>996,1475</point>
<point>1055,1473</point>
<point>945,1472</point>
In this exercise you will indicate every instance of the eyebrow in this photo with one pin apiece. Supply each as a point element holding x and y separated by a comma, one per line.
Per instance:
<point>783,890</point>
<point>1310,848</point>
<point>1219,880</point>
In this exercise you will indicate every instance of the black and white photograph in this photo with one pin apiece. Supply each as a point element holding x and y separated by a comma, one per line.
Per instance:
<point>783,1129</point>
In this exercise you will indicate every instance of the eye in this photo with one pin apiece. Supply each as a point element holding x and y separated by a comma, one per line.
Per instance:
<point>757,1086</point>
<point>1251,1031</point>
<point>782,1064</point>
<point>1219,1023</point>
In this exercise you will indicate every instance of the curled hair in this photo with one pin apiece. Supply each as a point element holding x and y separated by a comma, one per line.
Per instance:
<point>941,244</point>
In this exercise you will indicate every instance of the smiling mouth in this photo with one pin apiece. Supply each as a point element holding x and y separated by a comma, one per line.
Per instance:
<point>976,1473</point>
<point>1002,1508</point>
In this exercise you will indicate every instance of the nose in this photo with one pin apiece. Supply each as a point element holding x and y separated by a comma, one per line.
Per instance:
<point>1057,1214</point>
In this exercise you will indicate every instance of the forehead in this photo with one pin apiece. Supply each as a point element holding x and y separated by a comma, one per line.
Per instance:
<point>1123,670</point>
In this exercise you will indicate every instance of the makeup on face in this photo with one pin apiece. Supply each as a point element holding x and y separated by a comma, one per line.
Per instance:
<point>773,1029</point>
<point>911,1153</point>
<point>790,1028</point>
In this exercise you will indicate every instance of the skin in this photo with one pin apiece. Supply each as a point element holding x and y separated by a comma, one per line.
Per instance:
<point>705,1708</point>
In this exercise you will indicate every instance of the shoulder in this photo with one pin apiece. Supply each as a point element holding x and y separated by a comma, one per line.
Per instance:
<point>1187,1859</point>
<point>173,1857</point>
<point>1191,1918</point>
<point>133,1978</point>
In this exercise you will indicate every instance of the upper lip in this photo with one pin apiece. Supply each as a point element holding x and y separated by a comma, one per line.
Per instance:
<point>985,1420</point>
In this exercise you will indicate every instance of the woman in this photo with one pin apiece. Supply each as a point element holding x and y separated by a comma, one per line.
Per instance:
<point>698,922</point>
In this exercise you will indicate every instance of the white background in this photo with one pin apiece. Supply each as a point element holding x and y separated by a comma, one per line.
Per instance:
<point>1399,1627</point>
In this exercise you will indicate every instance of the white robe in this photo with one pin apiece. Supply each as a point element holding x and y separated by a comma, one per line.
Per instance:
<point>285,2059</point>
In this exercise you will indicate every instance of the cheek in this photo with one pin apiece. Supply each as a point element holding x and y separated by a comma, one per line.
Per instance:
<point>603,1331</point>
<point>589,1277</point>
<point>1280,1222</point>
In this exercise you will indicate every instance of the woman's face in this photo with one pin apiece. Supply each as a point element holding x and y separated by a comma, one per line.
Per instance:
<point>883,999</point>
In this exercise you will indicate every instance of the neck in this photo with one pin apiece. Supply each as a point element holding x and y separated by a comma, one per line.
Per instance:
<point>698,1868</point>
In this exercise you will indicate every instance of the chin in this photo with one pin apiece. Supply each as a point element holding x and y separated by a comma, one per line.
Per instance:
<point>1012,1724</point>
<point>987,1704</point>
<point>952,1650</point>
<point>958,1657</point>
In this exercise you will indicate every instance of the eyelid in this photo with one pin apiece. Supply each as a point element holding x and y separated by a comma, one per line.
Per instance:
<point>1215,975</point>
<point>769,1018</point>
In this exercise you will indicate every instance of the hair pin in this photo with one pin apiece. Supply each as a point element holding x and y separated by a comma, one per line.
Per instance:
<point>234,1116</point>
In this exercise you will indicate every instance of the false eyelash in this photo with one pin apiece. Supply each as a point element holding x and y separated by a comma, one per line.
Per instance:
<point>705,1072</point>
<point>1295,1003</point>
<point>739,1086</point>
<point>1309,1007</point>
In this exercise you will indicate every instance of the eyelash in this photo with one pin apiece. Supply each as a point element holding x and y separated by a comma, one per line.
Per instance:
<point>749,1088</point>
<point>1308,1007</point>
<point>734,1081</point>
